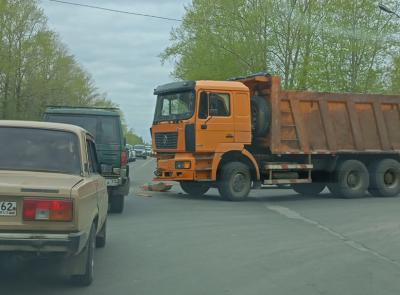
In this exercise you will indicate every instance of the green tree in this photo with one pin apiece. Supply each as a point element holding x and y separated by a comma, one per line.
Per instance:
<point>36,69</point>
<point>331,45</point>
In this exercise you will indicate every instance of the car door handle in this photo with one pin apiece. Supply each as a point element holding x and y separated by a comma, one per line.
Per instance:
<point>229,136</point>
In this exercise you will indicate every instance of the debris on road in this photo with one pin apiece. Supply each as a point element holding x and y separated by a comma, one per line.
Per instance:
<point>157,187</point>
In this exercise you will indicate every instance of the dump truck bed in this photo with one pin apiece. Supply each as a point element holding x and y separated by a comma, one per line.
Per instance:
<point>321,123</point>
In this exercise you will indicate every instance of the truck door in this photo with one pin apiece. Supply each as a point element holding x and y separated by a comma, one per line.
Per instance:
<point>214,124</point>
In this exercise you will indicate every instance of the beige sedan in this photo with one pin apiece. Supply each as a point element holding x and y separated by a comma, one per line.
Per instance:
<point>53,200</point>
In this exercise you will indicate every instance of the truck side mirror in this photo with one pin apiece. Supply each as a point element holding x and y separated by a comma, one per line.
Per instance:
<point>203,105</point>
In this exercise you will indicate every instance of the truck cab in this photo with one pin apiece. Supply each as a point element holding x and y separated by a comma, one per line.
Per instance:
<point>197,126</point>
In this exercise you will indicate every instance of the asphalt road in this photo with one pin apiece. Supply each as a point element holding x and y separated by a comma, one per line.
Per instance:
<point>275,243</point>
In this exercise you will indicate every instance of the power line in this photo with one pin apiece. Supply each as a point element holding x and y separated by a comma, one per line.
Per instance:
<point>115,10</point>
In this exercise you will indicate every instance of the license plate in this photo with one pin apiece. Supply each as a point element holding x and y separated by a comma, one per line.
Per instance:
<point>8,208</point>
<point>112,182</point>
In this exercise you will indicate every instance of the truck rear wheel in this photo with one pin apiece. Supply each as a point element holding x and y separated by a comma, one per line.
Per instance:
<point>351,180</point>
<point>308,189</point>
<point>234,181</point>
<point>384,177</point>
<point>194,188</point>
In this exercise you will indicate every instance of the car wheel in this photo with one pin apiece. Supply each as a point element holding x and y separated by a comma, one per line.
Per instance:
<point>102,236</point>
<point>86,278</point>
<point>117,203</point>
<point>384,176</point>
<point>351,180</point>
<point>234,182</point>
<point>194,188</point>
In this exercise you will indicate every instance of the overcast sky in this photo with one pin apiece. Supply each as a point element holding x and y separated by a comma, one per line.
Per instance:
<point>120,51</point>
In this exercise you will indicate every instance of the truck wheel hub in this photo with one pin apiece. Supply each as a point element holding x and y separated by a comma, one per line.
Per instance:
<point>238,182</point>
<point>389,178</point>
<point>353,179</point>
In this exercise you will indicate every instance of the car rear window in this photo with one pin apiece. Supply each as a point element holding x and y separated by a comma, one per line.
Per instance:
<point>105,129</point>
<point>31,149</point>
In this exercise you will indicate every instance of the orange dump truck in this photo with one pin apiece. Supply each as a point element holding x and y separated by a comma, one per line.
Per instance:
<point>249,133</point>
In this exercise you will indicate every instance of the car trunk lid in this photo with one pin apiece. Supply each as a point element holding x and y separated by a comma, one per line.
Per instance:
<point>17,185</point>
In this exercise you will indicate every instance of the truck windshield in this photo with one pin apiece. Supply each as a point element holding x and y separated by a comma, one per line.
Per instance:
<point>174,106</point>
<point>105,129</point>
<point>30,149</point>
<point>139,147</point>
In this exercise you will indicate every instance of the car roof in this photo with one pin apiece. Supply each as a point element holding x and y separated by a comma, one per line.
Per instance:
<point>43,125</point>
<point>83,111</point>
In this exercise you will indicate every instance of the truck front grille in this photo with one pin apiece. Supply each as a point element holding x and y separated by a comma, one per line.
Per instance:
<point>166,140</point>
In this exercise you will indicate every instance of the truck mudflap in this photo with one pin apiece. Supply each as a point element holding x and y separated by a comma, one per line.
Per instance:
<point>36,242</point>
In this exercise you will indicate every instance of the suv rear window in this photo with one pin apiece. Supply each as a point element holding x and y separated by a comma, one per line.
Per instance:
<point>105,129</point>
<point>31,149</point>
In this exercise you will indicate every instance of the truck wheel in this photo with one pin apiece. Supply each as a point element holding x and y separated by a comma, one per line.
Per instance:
<point>117,203</point>
<point>308,189</point>
<point>86,278</point>
<point>102,236</point>
<point>194,188</point>
<point>234,182</point>
<point>384,178</point>
<point>351,180</point>
<point>260,115</point>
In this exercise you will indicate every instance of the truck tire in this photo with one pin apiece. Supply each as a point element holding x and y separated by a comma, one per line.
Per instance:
<point>102,236</point>
<point>351,180</point>
<point>260,115</point>
<point>194,188</point>
<point>117,203</point>
<point>234,181</point>
<point>308,189</point>
<point>86,278</point>
<point>384,178</point>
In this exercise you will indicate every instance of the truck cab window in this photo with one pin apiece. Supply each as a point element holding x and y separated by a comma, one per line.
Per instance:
<point>220,105</point>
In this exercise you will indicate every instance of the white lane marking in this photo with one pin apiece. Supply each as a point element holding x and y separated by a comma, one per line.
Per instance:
<point>291,214</point>
<point>146,163</point>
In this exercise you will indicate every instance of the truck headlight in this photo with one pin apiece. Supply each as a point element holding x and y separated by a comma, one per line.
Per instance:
<point>183,165</point>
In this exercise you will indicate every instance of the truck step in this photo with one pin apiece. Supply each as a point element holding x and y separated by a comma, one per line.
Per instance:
<point>204,169</point>
<point>285,181</point>
<point>204,158</point>
<point>288,166</point>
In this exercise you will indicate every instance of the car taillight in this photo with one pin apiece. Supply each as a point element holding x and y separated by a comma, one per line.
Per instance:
<point>124,158</point>
<point>48,210</point>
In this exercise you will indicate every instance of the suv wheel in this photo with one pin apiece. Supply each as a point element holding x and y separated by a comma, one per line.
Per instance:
<point>117,203</point>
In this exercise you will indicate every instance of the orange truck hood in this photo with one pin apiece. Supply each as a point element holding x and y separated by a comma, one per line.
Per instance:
<point>29,183</point>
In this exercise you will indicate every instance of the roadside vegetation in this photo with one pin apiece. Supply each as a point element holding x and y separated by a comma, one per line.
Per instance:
<point>332,45</point>
<point>37,70</point>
